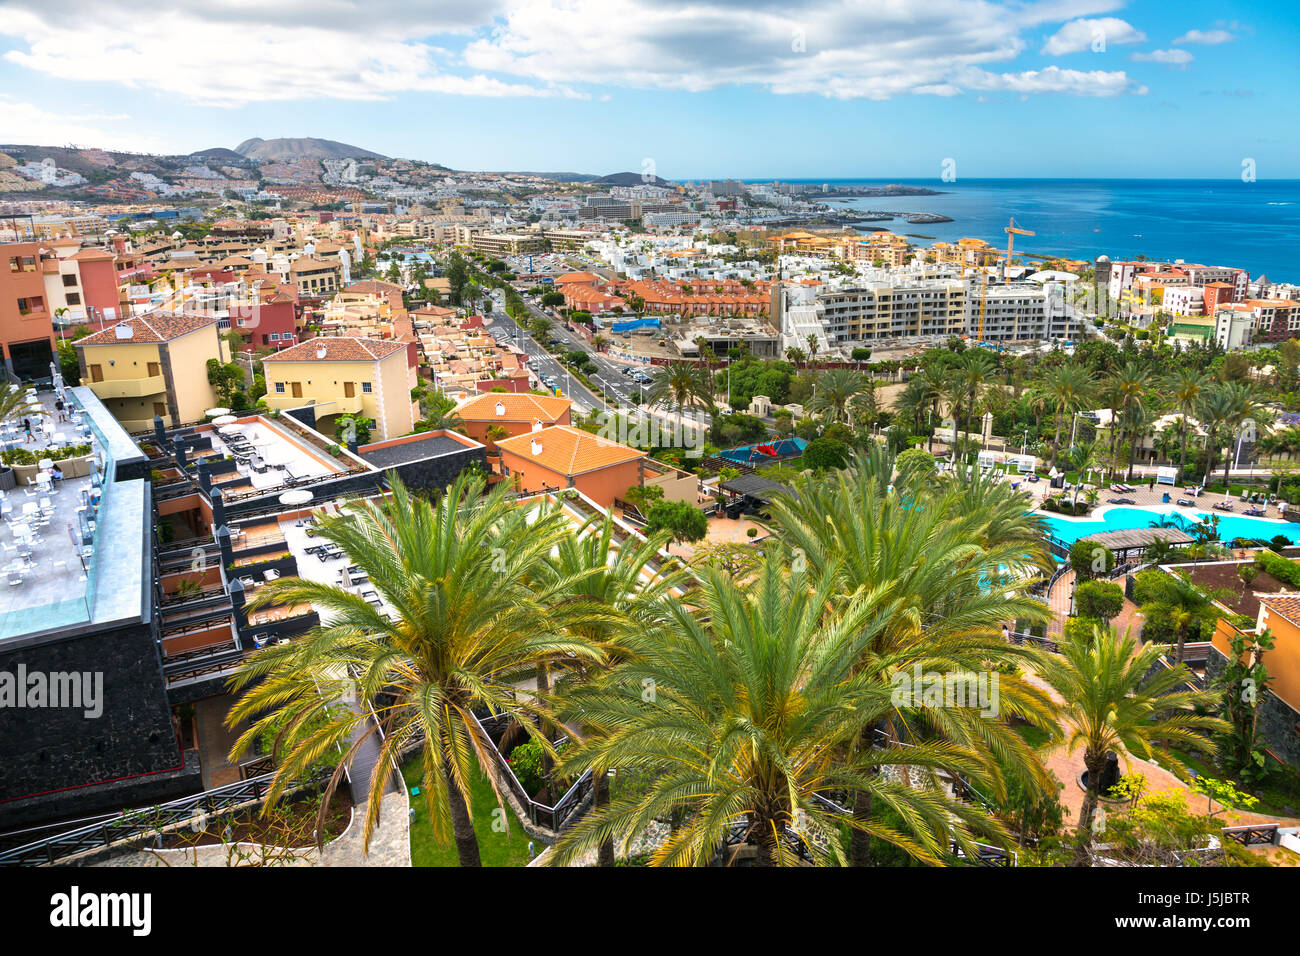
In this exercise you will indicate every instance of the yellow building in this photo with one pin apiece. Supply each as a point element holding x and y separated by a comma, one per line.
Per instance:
<point>346,375</point>
<point>153,364</point>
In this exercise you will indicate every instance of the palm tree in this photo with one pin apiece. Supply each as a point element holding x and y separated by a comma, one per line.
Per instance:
<point>837,389</point>
<point>682,385</point>
<point>1175,597</point>
<point>592,566</point>
<point>466,619</point>
<point>1116,698</point>
<point>971,372</point>
<point>912,402</point>
<point>1129,387</point>
<point>755,698</point>
<point>14,402</point>
<point>1070,389</point>
<point>1083,457</point>
<point>932,551</point>
<point>1185,387</point>
<point>934,381</point>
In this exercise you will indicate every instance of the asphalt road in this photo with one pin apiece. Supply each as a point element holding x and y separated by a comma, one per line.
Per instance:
<point>618,388</point>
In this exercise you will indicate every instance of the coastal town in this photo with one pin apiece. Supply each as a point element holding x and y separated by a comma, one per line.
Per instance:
<point>363,512</point>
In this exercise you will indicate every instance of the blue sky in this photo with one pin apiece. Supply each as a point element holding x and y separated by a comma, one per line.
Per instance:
<point>705,88</point>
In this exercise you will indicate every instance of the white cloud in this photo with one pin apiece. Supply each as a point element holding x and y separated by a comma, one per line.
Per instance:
<point>1055,80</point>
<point>22,122</point>
<point>1179,58</point>
<point>231,52</point>
<point>1206,37</point>
<point>1096,35</point>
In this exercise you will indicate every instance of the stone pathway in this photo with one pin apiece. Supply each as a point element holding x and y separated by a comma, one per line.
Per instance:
<point>390,845</point>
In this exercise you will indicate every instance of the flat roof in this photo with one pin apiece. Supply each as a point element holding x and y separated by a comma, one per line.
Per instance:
<point>415,448</point>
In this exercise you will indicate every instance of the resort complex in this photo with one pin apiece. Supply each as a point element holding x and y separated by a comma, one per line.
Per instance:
<point>915,489</point>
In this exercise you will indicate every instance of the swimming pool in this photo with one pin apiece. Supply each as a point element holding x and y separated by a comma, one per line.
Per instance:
<point>757,453</point>
<point>1123,518</point>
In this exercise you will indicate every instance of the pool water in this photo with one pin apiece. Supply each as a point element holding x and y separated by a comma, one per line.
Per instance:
<point>1122,518</point>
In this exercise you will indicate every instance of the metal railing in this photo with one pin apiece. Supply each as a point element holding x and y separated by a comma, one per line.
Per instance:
<point>143,821</point>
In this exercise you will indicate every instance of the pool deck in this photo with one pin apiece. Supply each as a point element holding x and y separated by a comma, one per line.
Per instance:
<point>1149,500</point>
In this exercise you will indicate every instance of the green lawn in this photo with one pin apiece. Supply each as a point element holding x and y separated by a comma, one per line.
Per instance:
<point>1280,795</point>
<point>495,848</point>
<point>1034,736</point>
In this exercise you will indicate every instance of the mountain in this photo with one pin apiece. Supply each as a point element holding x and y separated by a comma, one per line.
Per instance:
<point>630,179</point>
<point>219,153</point>
<point>558,177</point>
<point>287,150</point>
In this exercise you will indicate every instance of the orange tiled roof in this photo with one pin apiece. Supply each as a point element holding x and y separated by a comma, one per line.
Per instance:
<point>569,451</point>
<point>338,349</point>
<point>518,408</point>
<point>1287,605</point>
<point>152,328</point>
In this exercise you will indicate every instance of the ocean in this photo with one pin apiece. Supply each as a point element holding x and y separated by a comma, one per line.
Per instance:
<point>1254,226</point>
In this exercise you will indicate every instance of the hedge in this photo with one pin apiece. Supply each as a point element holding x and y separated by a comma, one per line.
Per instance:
<point>1284,569</point>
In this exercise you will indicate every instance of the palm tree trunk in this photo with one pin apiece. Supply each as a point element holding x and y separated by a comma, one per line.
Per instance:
<point>600,798</point>
<point>764,842</point>
<point>462,827</point>
<point>1178,647</point>
<point>860,840</point>
<point>1182,458</point>
<point>1083,844</point>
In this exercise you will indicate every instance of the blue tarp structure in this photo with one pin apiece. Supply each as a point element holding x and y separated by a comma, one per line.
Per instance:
<point>645,322</point>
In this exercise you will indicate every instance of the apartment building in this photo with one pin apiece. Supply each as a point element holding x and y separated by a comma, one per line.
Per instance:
<point>315,278</point>
<point>1020,312</point>
<point>153,365</point>
<point>875,311</point>
<point>82,284</point>
<point>346,375</point>
<point>507,243</point>
<point>551,459</point>
<point>26,319</point>
<point>517,414</point>
<point>1267,320</point>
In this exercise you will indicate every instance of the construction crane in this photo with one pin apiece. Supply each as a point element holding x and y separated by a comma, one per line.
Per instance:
<point>1012,231</point>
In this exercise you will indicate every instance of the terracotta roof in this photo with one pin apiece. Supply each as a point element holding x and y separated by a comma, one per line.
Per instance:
<point>310,264</point>
<point>338,349</point>
<point>371,285</point>
<point>93,254</point>
<point>153,328</point>
<point>579,277</point>
<point>518,408</point>
<point>570,451</point>
<point>1287,605</point>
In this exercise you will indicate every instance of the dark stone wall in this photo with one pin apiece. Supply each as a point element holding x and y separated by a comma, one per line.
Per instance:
<point>306,414</point>
<point>1279,724</point>
<point>49,749</point>
<point>435,474</point>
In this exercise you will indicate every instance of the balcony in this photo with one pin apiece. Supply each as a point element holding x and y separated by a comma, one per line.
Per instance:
<point>340,406</point>
<point>129,387</point>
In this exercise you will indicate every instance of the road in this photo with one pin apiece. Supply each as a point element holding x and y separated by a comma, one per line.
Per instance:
<point>618,388</point>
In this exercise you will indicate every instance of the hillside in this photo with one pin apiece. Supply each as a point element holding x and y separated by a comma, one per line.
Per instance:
<point>219,153</point>
<point>630,179</point>
<point>287,150</point>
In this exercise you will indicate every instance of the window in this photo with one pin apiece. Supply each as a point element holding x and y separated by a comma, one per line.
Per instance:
<point>279,388</point>
<point>275,336</point>
<point>366,387</point>
<point>70,280</point>
<point>34,304</point>
<point>74,298</point>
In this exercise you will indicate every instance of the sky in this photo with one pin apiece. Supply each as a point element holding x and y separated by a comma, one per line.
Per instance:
<point>687,89</point>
